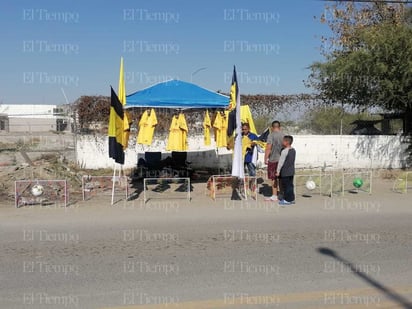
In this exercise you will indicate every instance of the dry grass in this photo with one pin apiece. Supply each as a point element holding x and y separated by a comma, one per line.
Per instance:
<point>390,174</point>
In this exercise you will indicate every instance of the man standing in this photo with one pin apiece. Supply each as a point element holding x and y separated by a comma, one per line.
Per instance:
<point>248,144</point>
<point>272,155</point>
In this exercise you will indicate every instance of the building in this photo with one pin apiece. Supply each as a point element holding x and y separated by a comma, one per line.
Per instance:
<point>33,118</point>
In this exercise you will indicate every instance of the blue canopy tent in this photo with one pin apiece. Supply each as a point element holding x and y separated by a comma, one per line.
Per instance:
<point>176,94</point>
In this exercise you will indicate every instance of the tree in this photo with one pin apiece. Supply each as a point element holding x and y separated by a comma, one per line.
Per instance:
<point>92,109</point>
<point>368,59</point>
<point>332,120</point>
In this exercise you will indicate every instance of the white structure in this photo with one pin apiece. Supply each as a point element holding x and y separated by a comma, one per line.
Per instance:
<point>333,151</point>
<point>32,118</point>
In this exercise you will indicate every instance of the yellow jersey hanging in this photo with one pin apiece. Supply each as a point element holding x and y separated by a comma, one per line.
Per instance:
<point>147,126</point>
<point>178,134</point>
<point>184,129</point>
<point>207,124</point>
<point>220,125</point>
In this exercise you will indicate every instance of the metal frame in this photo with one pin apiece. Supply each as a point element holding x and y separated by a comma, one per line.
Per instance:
<point>167,179</point>
<point>116,179</point>
<point>354,174</point>
<point>245,181</point>
<point>214,183</point>
<point>320,175</point>
<point>43,182</point>
<point>405,189</point>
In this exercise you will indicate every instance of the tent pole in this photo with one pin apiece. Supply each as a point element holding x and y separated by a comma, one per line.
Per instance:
<point>113,182</point>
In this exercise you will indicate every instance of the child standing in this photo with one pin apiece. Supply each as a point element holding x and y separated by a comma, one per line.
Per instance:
<point>286,171</point>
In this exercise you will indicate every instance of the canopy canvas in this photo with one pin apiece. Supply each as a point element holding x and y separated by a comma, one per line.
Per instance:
<point>176,94</point>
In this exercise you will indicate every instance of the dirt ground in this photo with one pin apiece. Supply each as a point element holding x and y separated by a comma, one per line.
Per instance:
<point>339,252</point>
<point>49,167</point>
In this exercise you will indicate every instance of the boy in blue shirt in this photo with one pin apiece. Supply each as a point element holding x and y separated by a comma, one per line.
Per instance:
<point>249,151</point>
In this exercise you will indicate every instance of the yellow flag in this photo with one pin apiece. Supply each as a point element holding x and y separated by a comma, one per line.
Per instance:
<point>246,117</point>
<point>122,99</point>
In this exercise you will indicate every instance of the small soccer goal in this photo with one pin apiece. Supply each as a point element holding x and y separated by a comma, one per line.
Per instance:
<point>103,185</point>
<point>51,193</point>
<point>403,183</point>
<point>220,186</point>
<point>307,185</point>
<point>226,186</point>
<point>355,182</point>
<point>166,188</point>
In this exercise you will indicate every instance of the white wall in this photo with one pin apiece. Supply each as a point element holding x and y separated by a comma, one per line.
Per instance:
<point>92,153</point>
<point>350,151</point>
<point>312,151</point>
<point>28,110</point>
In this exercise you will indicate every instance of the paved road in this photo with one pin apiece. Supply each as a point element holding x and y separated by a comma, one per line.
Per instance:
<point>354,252</point>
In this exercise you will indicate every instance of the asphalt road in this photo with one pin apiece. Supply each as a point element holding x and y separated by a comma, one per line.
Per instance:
<point>352,252</point>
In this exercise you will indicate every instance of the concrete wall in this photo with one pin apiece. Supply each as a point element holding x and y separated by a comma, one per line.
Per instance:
<point>92,152</point>
<point>350,151</point>
<point>312,151</point>
<point>17,124</point>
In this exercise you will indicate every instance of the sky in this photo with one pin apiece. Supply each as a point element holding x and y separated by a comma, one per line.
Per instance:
<point>52,50</point>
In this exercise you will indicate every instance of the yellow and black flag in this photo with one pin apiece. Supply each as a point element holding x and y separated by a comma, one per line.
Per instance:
<point>116,129</point>
<point>234,91</point>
